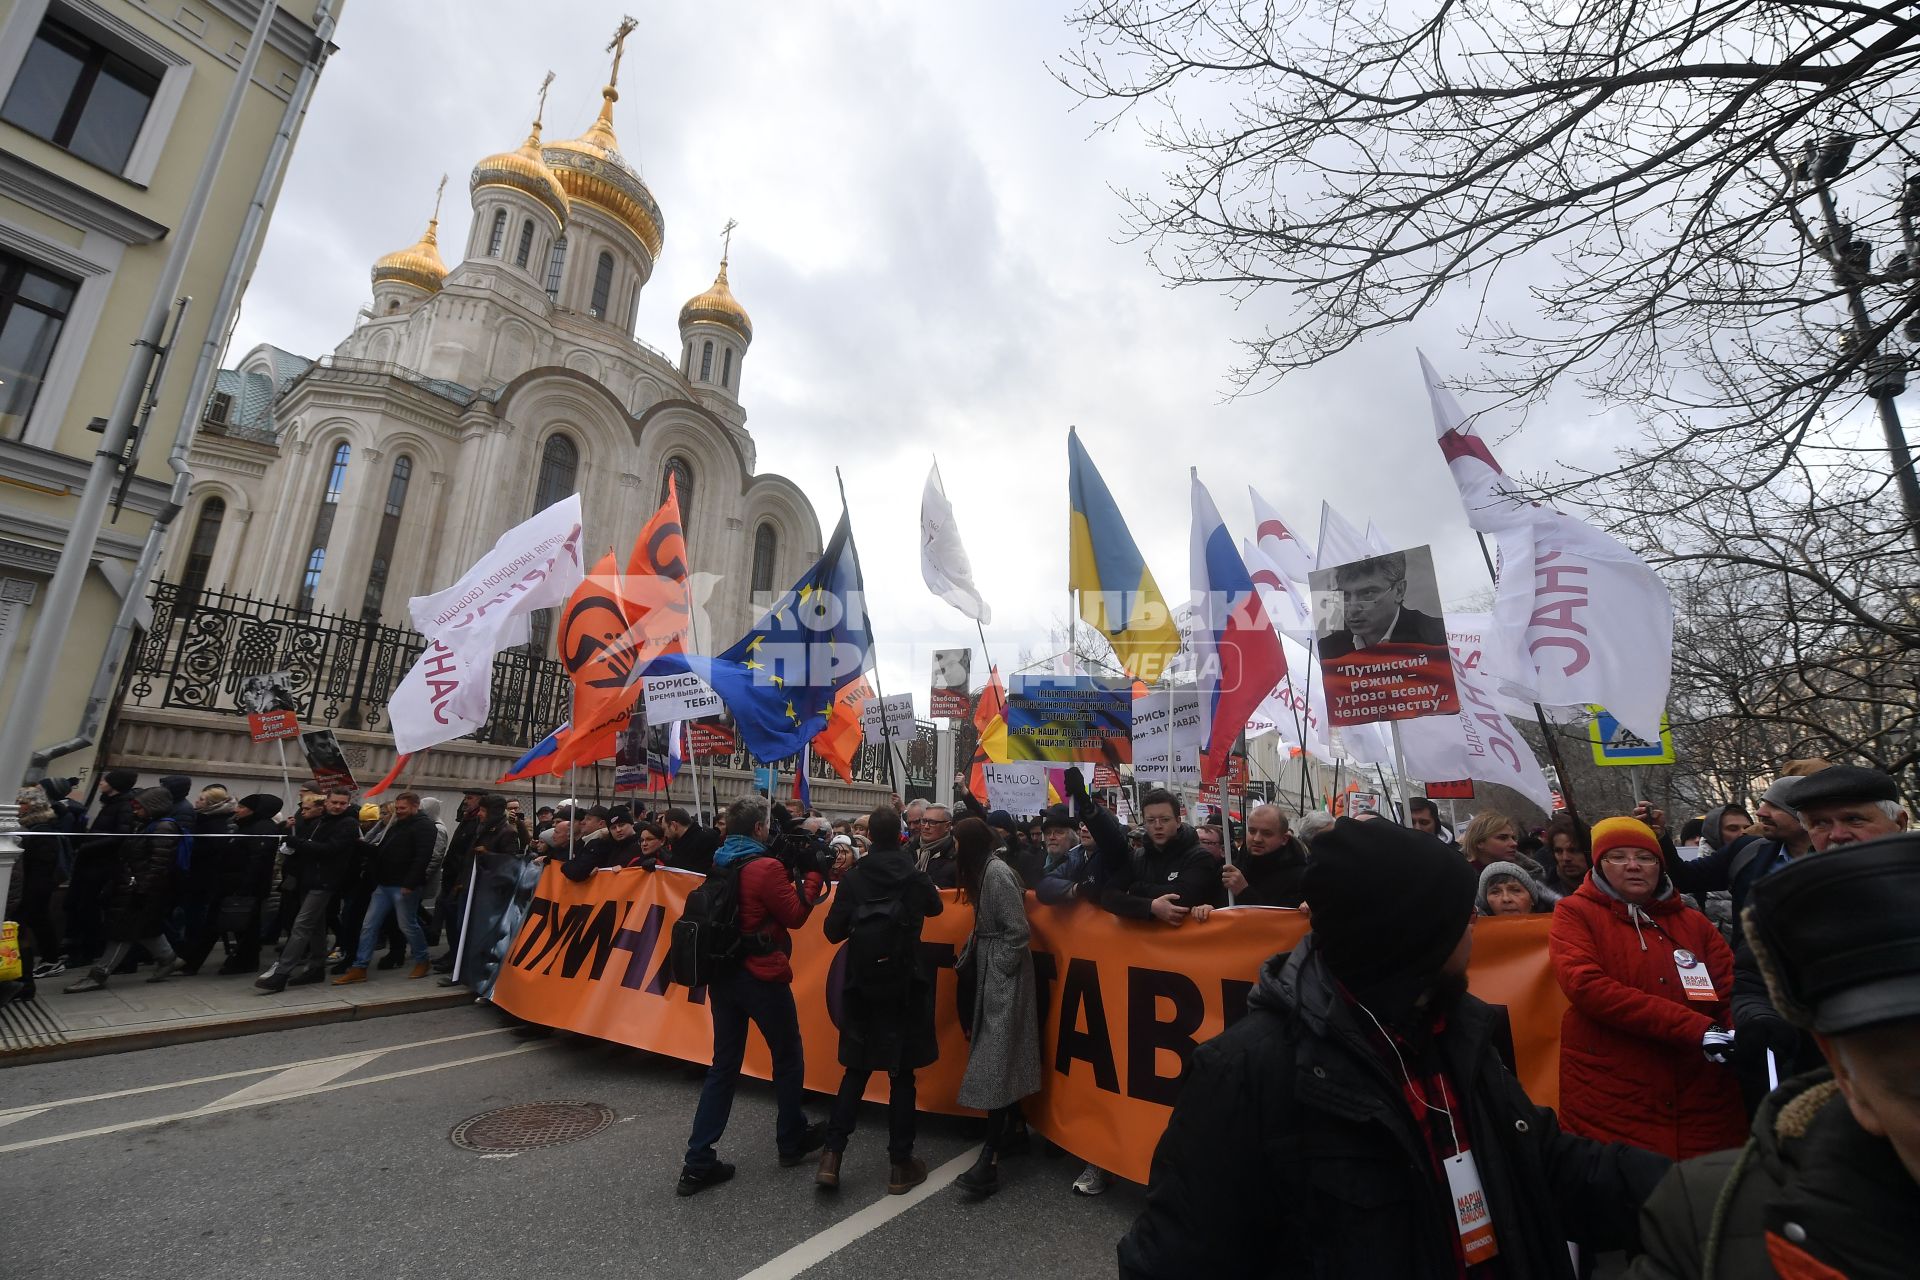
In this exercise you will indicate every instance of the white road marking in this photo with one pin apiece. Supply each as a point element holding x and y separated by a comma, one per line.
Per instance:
<point>294,1081</point>
<point>812,1252</point>
<point>9,1114</point>
<point>219,1107</point>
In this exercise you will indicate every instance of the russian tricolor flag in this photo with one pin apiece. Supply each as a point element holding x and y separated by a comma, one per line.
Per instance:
<point>537,759</point>
<point>1235,649</point>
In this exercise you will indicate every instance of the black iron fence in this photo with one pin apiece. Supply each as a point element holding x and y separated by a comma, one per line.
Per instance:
<point>203,645</point>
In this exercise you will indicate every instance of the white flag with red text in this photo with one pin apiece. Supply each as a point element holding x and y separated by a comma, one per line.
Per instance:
<point>1480,743</point>
<point>448,694</point>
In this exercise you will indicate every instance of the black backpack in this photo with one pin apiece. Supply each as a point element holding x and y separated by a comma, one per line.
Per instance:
<point>706,942</point>
<point>880,946</point>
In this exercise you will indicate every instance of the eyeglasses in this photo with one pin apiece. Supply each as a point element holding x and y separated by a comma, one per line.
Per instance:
<point>934,822</point>
<point>1631,859</point>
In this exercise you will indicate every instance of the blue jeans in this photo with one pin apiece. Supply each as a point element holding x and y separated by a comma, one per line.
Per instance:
<point>769,1005</point>
<point>392,899</point>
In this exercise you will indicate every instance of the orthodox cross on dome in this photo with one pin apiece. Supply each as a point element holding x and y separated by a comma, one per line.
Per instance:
<point>618,47</point>
<point>726,240</point>
<point>437,193</point>
<point>540,113</point>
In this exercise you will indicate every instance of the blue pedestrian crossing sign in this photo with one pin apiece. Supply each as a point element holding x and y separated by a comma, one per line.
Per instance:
<point>1615,744</point>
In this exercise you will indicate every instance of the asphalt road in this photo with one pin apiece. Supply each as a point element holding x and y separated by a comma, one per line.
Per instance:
<point>325,1152</point>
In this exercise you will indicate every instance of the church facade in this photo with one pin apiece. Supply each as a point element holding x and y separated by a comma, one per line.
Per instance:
<point>468,398</point>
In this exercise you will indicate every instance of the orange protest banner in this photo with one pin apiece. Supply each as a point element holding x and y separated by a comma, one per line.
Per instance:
<point>1125,1003</point>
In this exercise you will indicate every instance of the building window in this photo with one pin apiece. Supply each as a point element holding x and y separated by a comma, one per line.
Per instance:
<point>555,261</point>
<point>498,239</point>
<point>706,362</point>
<point>206,536</point>
<point>726,367</point>
<point>681,475</point>
<point>33,307</point>
<point>323,526</point>
<point>559,466</point>
<point>602,285</point>
<point>220,408</point>
<point>765,546</point>
<point>526,244</point>
<point>389,538</point>
<point>78,94</point>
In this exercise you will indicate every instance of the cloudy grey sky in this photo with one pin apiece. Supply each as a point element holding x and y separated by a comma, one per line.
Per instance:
<point>933,258</point>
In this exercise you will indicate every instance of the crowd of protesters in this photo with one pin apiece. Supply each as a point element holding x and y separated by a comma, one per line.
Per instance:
<point>1362,1091</point>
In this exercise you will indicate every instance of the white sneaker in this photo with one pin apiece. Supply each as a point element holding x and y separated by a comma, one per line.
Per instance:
<point>1093,1181</point>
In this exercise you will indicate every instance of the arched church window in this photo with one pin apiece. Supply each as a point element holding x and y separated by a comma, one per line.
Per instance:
<point>383,546</point>
<point>555,261</point>
<point>706,362</point>
<point>726,367</point>
<point>206,536</point>
<point>602,285</point>
<point>526,244</point>
<point>765,546</point>
<point>681,475</point>
<point>498,238</point>
<point>559,467</point>
<point>323,525</point>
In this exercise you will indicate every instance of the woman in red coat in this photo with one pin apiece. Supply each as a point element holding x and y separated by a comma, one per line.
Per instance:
<point>1642,1053</point>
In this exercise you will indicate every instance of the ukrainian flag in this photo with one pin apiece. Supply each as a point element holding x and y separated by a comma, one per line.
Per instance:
<point>1118,596</point>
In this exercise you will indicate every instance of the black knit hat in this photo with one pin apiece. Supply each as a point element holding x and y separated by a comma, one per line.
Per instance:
<point>122,780</point>
<point>1389,905</point>
<point>1834,937</point>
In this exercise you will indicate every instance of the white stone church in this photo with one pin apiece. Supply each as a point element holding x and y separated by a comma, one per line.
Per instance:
<point>467,399</point>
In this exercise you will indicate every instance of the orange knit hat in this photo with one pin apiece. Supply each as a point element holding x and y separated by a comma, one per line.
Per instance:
<point>1623,833</point>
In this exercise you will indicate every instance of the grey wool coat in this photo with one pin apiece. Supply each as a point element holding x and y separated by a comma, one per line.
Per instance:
<point>1004,1065</point>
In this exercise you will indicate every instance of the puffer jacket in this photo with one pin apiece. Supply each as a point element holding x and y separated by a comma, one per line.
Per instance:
<point>1292,1152</point>
<point>1131,881</point>
<point>1812,1194</point>
<point>1631,1065</point>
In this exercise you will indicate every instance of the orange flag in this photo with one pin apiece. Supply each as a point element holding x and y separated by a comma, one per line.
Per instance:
<point>993,703</point>
<point>614,626</point>
<point>841,738</point>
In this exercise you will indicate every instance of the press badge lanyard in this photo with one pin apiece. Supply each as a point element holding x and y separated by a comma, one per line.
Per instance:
<point>1471,1217</point>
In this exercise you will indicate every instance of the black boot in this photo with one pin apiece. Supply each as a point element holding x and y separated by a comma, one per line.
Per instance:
<point>984,1178</point>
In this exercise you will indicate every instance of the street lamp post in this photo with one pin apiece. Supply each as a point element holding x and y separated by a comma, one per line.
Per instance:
<point>1850,258</point>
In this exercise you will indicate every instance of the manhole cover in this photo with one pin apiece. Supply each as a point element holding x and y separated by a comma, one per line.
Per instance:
<point>530,1125</point>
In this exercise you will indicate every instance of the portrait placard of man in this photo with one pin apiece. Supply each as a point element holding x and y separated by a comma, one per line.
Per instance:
<point>1382,639</point>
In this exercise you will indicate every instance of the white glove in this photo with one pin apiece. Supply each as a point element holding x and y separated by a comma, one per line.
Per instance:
<point>1717,1045</point>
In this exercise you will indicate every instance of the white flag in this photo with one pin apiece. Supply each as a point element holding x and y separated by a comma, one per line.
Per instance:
<point>943,561</point>
<point>1286,600</point>
<point>1577,617</point>
<point>1480,743</point>
<point>1277,538</point>
<point>534,565</point>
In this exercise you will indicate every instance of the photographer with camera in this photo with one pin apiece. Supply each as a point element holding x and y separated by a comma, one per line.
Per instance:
<point>774,891</point>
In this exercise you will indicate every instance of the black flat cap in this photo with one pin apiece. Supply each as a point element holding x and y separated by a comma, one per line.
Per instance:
<point>1843,784</point>
<point>1835,937</point>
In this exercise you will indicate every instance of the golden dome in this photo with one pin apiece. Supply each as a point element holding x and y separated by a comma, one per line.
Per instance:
<point>718,306</point>
<point>525,171</point>
<point>418,264</point>
<point>591,170</point>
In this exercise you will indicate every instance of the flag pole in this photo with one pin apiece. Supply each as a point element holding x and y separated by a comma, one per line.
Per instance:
<point>1400,769</point>
<point>1540,712</point>
<point>886,721</point>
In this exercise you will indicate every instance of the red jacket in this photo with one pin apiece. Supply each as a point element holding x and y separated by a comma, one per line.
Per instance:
<point>1631,1065</point>
<point>769,904</point>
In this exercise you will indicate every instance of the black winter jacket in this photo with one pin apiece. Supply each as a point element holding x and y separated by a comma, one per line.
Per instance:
<point>402,856</point>
<point>878,1034</point>
<point>113,820</point>
<point>322,849</point>
<point>1180,866</point>
<point>1275,879</point>
<point>1811,1190</point>
<point>247,872</point>
<point>694,850</point>
<point>1292,1152</point>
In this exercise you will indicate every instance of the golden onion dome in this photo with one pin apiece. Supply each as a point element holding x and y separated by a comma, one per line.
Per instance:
<point>592,171</point>
<point>718,306</point>
<point>418,264</point>
<point>525,171</point>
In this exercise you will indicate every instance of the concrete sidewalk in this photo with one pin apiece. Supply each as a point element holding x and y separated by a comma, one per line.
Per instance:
<point>133,1013</point>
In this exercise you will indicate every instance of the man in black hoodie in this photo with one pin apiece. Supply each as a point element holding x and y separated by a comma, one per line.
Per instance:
<point>1167,878</point>
<point>886,1020</point>
<point>321,849</point>
<point>94,859</point>
<point>1317,1135</point>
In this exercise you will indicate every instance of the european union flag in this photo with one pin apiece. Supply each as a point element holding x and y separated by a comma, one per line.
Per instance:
<point>780,678</point>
